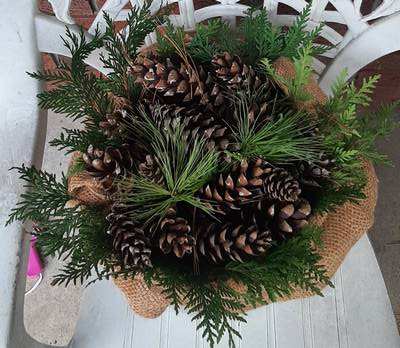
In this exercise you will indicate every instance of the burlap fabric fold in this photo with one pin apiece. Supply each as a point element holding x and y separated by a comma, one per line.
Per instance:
<point>342,228</point>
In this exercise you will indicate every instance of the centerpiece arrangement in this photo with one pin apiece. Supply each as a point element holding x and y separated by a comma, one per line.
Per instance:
<point>205,166</point>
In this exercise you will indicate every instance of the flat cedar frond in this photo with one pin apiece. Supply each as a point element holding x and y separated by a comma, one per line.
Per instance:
<point>44,197</point>
<point>303,71</point>
<point>295,264</point>
<point>282,140</point>
<point>78,140</point>
<point>89,252</point>
<point>121,49</point>
<point>263,40</point>
<point>210,39</point>
<point>77,93</point>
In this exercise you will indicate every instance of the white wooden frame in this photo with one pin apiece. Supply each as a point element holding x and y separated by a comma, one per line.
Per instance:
<point>363,325</point>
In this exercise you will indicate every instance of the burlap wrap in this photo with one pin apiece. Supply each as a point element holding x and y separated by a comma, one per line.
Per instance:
<point>342,228</point>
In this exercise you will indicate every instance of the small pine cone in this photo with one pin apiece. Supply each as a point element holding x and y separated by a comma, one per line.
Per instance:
<point>233,241</point>
<point>111,125</point>
<point>105,164</point>
<point>281,186</point>
<point>230,69</point>
<point>150,170</point>
<point>284,219</point>
<point>311,174</point>
<point>243,183</point>
<point>175,235</point>
<point>130,242</point>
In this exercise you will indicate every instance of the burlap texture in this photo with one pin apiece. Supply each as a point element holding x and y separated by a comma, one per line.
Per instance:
<point>342,228</point>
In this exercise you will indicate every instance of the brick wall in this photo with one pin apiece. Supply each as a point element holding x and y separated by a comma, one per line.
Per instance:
<point>388,88</point>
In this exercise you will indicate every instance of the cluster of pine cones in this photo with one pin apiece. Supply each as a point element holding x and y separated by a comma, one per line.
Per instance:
<point>257,204</point>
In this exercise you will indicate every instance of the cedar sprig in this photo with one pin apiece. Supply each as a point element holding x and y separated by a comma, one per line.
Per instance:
<point>44,196</point>
<point>89,252</point>
<point>122,48</point>
<point>294,264</point>
<point>73,140</point>
<point>77,92</point>
<point>263,40</point>
<point>303,70</point>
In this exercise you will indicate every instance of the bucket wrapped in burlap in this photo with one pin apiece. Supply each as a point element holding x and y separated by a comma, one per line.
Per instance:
<point>342,228</point>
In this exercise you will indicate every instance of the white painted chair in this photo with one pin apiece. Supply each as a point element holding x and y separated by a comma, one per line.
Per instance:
<point>357,313</point>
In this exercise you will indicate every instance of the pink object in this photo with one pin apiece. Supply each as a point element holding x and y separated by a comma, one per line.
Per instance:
<point>34,263</point>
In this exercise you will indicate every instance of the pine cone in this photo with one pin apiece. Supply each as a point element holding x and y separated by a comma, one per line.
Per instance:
<point>150,170</point>
<point>105,164</point>
<point>311,173</point>
<point>175,235</point>
<point>196,123</point>
<point>111,125</point>
<point>281,186</point>
<point>230,69</point>
<point>175,82</point>
<point>232,241</point>
<point>130,242</point>
<point>241,184</point>
<point>249,181</point>
<point>284,219</point>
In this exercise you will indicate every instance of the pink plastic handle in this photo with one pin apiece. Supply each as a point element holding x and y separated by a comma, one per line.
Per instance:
<point>34,264</point>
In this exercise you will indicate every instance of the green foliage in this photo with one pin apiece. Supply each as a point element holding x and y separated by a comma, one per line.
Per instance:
<point>263,40</point>
<point>186,166</point>
<point>78,235</point>
<point>122,49</point>
<point>303,70</point>
<point>284,139</point>
<point>216,306</point>
<point>210,39</point>
<point>77,91</point>
<point>79,140</point>
<point>348,137</point>
<point>168,40</point>
<point>330,197</point>
<point>76,167</point>
<point>44,196</point>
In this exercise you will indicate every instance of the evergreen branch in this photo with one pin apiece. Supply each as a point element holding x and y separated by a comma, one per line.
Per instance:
<point>88,252</point>
<point>303,71</point>
<point>79,140</point>
<point>121,49</point>
<point>78,93</point>
<point>44,197</point>
<point>210,39</point>
<point>185,164</point>
<point>292,265</point>
<point>329,198</point>
<point>283,140</point>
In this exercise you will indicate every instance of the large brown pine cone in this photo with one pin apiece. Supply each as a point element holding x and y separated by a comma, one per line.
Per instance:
<point>175,235</point>
<point>232,241</point>
<point>196,124</point>
<point>130,242</point>
<point>284,219</point>
<point>248,181</point>
<point>176,82</point>
<point>281,186</point>
<point>106,164</point>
